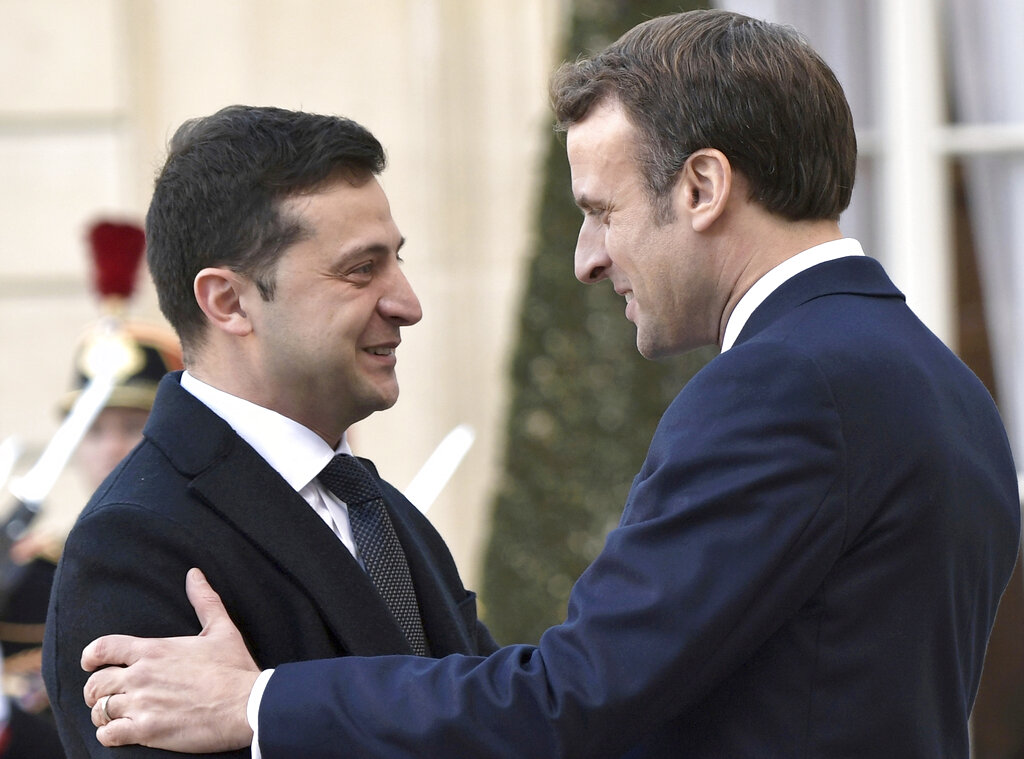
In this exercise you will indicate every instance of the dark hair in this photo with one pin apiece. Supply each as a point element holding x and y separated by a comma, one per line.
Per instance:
<point>217,200</point>
<point>713,79</point>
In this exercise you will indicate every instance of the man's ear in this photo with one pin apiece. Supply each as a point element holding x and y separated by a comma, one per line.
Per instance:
<point>703,187</point>
<point>220,293</point>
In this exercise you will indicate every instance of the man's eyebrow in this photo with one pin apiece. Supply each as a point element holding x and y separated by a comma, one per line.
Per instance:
<point>375,248</point>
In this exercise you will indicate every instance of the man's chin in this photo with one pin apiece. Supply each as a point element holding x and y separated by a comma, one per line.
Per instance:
<point>373,399</point>
<point>654,350</point>
<point>387,397</point>
<point>649,347</point>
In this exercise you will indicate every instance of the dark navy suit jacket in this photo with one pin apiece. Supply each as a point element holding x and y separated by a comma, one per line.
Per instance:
<point>808,566</point>
<point>195,494</point>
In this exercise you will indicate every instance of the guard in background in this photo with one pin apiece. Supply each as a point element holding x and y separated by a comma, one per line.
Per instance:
<point>143,353</point>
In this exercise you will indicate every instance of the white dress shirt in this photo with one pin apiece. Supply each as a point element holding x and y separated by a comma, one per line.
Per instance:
<point>770,282</point>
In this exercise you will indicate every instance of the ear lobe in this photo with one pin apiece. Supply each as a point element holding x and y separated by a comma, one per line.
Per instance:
<point>219,293</point>
<point>706,180</point>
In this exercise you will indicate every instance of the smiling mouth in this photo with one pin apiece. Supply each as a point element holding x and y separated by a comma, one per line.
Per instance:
<point>381,351</point>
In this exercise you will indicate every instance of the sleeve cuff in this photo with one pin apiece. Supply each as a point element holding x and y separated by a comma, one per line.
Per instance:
<point>252,709</point>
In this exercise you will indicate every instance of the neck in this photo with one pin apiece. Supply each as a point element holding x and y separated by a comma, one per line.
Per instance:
<point>753,255</point>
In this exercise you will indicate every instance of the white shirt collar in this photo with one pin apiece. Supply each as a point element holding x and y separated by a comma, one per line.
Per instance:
<point>294,451</point>
<point>771,281</point>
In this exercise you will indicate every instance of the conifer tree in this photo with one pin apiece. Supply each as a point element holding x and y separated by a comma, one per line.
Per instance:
<point>584,403</point>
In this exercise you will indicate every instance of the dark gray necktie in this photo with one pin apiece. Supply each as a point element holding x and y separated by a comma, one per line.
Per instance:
<point>377,542</point>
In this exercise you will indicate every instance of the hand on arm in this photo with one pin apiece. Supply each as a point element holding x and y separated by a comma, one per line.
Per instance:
<point>185,694</point>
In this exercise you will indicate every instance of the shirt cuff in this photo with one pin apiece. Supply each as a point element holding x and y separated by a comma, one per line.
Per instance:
<point>252,709</point>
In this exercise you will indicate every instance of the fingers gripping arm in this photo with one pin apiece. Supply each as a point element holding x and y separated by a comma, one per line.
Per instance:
<point>184,694</point>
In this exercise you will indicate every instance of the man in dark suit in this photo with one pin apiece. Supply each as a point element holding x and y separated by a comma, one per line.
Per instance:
<point>811,558</point>
<point>276,259</point>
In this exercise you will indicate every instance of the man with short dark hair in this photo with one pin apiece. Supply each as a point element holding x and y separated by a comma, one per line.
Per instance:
<point>811,557</point>
<point>276,260</point>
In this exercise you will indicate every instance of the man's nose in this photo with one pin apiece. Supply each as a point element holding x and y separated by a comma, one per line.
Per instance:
<point>400,304</point>
<point>591,260</point>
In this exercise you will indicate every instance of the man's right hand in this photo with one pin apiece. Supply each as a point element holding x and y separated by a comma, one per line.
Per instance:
<point>185,694</point>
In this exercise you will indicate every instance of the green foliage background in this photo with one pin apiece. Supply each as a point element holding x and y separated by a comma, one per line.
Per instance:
<point>584,402</point>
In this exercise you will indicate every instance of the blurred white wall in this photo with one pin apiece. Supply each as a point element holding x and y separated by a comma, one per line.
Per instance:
<point>456,91</point>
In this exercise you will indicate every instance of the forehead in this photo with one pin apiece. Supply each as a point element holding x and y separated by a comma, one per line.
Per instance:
<point>342,208</point>
<point>601,146</point>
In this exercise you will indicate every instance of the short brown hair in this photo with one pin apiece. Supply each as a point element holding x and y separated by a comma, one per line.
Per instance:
<point>755,90</point>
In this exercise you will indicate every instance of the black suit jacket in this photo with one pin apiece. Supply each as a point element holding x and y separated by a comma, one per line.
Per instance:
<point>807,567</point>
<point>193,493</point>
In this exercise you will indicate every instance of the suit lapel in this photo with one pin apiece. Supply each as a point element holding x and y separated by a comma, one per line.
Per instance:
<point>237,484</point>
